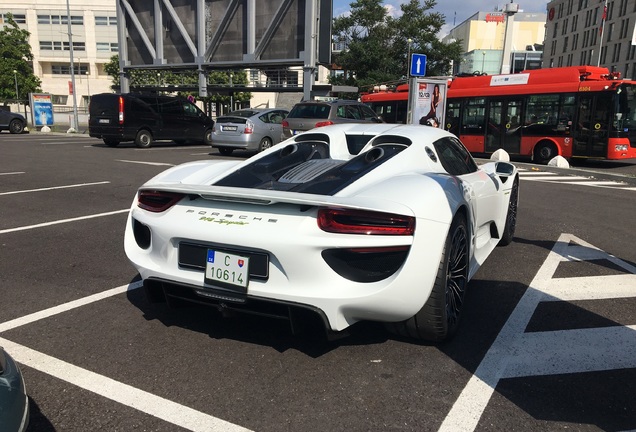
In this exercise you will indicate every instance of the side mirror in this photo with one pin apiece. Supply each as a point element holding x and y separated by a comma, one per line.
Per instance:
<point>504,169</point>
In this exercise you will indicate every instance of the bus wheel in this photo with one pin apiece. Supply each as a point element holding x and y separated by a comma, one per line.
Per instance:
<point>544,151</point>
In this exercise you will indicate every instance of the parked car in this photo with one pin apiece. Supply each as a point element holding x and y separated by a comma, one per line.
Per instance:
<point>348,222</point>
<point>14,403</point>
<point>248,129</point>
<point>310,114</point>
<point>144,118</point>
<point>11,121</point>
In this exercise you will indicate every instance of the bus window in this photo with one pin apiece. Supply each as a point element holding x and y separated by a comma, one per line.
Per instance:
<point>474,117</point>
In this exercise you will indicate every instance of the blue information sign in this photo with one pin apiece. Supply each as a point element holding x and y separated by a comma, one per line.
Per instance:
<point>418,64</point>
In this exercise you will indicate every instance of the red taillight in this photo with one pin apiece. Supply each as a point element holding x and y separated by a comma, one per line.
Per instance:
<point>324,123</point>
<point>346,221</point>
<point>249,127</point>
<point>157,201</point>
<point>285,123</point>
<point>121,110</point>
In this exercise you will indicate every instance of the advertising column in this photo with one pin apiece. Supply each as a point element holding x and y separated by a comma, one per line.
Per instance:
<point>427,101</point>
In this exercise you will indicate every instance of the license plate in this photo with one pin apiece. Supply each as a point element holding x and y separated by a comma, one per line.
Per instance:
<point>227,270</point>
<point>104,121</point>
<point>229,128</point>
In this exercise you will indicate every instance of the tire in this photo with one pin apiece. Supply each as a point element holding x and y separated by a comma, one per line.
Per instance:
<point>544,151</point>
<point>16,126</point>
<point>207,138</point>
<point>111,143</point>
<point>511,216</point>
<point>226,151</point>
<point>144,139</point>
<point>438,319</point>
<point>264,144</point>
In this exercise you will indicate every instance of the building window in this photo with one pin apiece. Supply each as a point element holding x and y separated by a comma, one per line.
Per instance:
<point>18,18</point>
<point>556,27</point>
<point>107,47</point>
<point>65,69</point>
<point>59,99</point>
<point>575,22</point>
<point>565,27</point>
<point>60,19</point>
<point>565,44</point>
<point>61,46</point>
<point>610,31</point>
<point>105,20</point>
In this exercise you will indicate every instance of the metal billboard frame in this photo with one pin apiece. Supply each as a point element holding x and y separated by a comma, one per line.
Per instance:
<point>223,35</point>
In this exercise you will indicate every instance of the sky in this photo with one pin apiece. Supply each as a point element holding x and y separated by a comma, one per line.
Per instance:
<point>454,10</point>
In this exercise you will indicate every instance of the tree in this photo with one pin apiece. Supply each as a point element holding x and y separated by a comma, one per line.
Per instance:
<point>155,78</point>
<point>377,45</point>
<point>16,55</point>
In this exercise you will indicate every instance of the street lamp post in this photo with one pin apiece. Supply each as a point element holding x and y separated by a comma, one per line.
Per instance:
<point>483,59</point>
<point>409,41</point>
<point>70,47</point>
<point>17,93</point>
<point>88,86</point>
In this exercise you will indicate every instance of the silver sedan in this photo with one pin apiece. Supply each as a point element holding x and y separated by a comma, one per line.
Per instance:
<point>248,129</point>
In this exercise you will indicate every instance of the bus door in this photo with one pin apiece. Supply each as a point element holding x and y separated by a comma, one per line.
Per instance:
<point>503,129</point>
<point>591,134</point>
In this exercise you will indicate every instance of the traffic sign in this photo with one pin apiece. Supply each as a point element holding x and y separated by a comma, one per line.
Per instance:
<point>418,64</point>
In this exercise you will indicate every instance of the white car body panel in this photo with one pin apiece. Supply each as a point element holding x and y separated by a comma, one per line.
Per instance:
<point>282,224</point>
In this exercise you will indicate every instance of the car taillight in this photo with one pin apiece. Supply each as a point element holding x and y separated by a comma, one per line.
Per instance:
<point>121,110</point>
<point>249,127</point>
<point>347,221</point>
<point>285,123</point>
<point>324,123</point>
<point>157,201</point>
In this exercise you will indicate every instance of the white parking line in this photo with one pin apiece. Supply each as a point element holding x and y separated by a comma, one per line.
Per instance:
<point>46,224</point>
<point>13,173</point>
<point>517,353</point>
<point>145,163</point>
<point>54,188</point>
<point>46,313</point>
<point>143,401</point>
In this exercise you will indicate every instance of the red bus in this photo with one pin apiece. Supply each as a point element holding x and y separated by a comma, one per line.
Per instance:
<point>576,112</point>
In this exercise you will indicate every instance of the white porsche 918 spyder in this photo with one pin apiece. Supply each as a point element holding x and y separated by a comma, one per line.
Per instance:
<point>352,222</point>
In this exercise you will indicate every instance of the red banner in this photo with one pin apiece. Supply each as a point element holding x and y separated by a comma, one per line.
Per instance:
<point>70,87</point>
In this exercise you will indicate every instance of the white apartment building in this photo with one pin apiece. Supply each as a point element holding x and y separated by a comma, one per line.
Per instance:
<point>94,38</point>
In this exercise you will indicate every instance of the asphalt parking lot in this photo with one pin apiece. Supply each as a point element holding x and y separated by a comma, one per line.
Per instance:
<point>97,356</point>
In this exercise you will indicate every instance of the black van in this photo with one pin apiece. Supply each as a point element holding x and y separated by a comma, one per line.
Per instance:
<point>143,118</point>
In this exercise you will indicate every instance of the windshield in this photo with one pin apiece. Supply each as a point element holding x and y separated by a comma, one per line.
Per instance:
<point>625,114</point>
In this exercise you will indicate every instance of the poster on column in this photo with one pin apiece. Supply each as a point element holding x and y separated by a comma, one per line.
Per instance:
<point>427,101</point>
<point>42,109</point>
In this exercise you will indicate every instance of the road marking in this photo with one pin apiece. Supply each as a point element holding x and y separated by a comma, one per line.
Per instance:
<point>13,173</point>
<point>55,310</point>
<point>172,412</point>
<point>145,163</point>
<point>46,224</point>
<point>54,188</point>
<point>549,177</point>
<point>515,353</point>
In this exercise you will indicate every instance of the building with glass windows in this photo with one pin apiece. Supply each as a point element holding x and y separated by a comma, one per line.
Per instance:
<point>94,38</point>
<point>482,37</point>
<point>592,32</point>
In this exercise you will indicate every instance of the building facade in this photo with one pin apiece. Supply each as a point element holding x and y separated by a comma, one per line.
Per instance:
<point>592,32</point>
<point>94,39</point>
<point>483,35</point>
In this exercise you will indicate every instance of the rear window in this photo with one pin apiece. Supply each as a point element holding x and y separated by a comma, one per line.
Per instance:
<point>310,111</point>
<point>104,105</point>
<point>229,119</point>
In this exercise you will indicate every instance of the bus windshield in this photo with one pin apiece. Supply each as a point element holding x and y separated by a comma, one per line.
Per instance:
<point>625,113</point>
